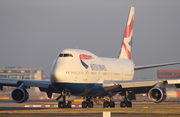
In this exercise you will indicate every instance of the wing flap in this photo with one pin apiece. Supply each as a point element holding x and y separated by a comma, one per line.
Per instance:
<point>138,84</point>
<point>176,82</point>
<point>129,84</point>
<point>173,81</point>
<point>110,85</point>
<point>37,83</point>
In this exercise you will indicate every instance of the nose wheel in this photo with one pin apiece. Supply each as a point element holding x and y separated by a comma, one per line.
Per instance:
<point>65,103</point>
<point>61,104</point>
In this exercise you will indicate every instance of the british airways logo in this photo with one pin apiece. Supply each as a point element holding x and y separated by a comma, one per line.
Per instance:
<point>98,67</point>
<point>94,67</point>
<point>84,57</point>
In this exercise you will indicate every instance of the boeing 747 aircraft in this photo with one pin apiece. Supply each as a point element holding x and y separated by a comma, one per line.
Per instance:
<point>82,73</point>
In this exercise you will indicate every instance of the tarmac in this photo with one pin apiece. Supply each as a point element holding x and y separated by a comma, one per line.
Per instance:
<point>11,105</point>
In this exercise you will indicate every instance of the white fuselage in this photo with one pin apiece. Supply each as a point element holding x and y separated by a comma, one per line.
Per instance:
<point>79,66</point>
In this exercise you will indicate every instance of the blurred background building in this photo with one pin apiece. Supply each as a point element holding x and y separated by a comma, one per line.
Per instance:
<point>164,74</point>
<point>22,73</point>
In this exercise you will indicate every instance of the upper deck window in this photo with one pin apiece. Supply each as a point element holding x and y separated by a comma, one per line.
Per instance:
<point>65,55</point>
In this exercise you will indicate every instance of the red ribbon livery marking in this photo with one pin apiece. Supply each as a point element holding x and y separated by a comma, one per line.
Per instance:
<point>83,56</point>
<point>127,51</point>
<point>129,28</point>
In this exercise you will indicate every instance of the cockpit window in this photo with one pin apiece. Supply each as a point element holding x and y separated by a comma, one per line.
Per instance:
<point>65,55</point>
<point>61,55</point>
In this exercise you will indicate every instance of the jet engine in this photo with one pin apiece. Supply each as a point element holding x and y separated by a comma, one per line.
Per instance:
<point>157,94</point>
<point>20,95</point>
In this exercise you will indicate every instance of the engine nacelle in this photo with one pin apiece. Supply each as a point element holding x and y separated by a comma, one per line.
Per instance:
<point>20,95</point>
<point>157,95</point>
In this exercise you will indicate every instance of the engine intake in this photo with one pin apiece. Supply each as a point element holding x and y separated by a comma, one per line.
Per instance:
<point>20,95</point>
<point>157,95</point>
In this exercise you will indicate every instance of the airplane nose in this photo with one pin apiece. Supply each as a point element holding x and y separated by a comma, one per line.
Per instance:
<point>57,75</point>
<point>57,72</point>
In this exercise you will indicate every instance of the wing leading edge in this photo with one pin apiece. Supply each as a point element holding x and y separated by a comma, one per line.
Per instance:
<point>28,83</point>
<point>109,85</point>
<point>43,85</point>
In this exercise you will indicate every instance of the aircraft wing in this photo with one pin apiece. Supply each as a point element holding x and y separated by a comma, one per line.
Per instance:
<point>155,65</point>
<point>43,85</point>
<point>137,86</point>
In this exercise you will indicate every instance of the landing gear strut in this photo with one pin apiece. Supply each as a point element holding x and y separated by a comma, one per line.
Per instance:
<point>109,103</point>
<point>88,103</point>
<point>126,103</point>
<point>64,103</point>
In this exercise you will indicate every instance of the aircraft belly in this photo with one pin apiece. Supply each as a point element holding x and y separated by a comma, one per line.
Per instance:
<point>80,88</point>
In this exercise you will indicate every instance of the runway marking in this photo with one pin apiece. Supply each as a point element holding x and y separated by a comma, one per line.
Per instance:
<point>47,106</point>
<point>39,106</point>
<point>76,106</point>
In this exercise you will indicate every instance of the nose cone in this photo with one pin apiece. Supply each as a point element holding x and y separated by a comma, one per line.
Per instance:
<point>58,71</point>
<point>57,75</point>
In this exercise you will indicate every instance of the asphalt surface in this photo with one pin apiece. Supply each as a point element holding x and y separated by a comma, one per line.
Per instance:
<point>8,104</point>
<point>11,103</point>
<point>88,115</point>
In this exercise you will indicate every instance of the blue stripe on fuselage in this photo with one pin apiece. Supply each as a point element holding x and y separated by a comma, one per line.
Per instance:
<point>80,88</point>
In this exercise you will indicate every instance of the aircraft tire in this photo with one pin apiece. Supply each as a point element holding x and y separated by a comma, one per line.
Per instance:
<point>84,104</point>
<point>69,104</point>
<point>106,104</point>
<point>129,104</point>
<point>122,104</point>
<point>60,104</point>
<point>90,104</point>
<point>111,104</point>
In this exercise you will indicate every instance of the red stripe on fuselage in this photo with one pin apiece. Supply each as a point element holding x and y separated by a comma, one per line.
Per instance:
<point>129,28</point>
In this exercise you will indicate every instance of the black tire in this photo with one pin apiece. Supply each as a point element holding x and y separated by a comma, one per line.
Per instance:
<point>84,104</point>
<point>122,104</point>
<point>112,104</point>
<point>60,104</point>
<point>106,104</point>
<point>90,104</point>
<point>129,104</point>
<point>69,104</point>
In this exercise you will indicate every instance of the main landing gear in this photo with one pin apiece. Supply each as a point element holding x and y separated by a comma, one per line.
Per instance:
<point>127,103</point>
<point>109,103</point>
<point>65,103</point>
<point>88,103</point>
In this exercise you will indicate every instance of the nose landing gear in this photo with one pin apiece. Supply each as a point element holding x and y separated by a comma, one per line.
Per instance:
<point>65,103</point>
